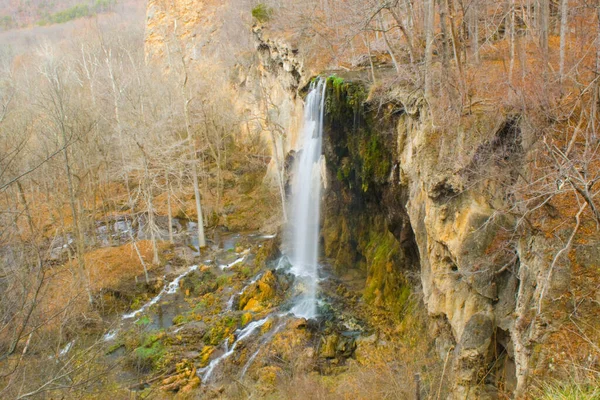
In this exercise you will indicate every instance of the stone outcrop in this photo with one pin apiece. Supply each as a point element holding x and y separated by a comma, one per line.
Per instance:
<point>403,199</point>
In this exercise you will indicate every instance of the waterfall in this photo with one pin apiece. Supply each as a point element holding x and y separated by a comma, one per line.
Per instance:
<point>306,196</point>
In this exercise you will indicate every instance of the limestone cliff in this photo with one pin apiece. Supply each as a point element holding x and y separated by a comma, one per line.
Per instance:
<point>449,196</point>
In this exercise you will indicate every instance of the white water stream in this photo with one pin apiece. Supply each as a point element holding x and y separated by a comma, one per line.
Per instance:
<point>170,288</point>
<point>240,336</point>
<point>306,196</point>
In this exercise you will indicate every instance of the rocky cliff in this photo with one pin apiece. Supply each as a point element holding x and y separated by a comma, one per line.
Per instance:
<point>408,195</point>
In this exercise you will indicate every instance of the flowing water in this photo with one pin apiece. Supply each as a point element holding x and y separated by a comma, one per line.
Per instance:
<point>241,334</point>
<point>306,196</point>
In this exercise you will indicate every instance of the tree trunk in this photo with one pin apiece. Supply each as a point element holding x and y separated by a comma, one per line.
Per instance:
<point>23,200</point>
<point>596,99</point>
<point>193,157</point>
<point>279,167</point>
<point>444,32</point>
<point>79,239</point>
<point>544,28</point>
<point>201,238</point>
<point>405,32</point>
<point>368,43</point>
<point>169,211</point>
<point>429,21</point>
<point>474,31</point>
<point>383,28</point>
<point>512,42</point>
<point>455,48</point>
<point>137,251</point>
<point>563,36</point>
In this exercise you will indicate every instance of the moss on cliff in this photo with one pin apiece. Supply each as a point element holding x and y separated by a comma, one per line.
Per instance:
<point>386,286</point>
<point>363,160</point>
<point>359,229</point>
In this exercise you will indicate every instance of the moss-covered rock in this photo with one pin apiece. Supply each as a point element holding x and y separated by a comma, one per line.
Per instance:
<point>365,224</point>
<point>263,293</point>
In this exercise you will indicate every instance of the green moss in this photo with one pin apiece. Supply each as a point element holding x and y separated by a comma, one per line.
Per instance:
<point>245,271</point>
<point>220,329</point>
<point>200,306</point>
<point>386,285</point>
<point>363,160</point>
<point>114,347</point>
<point>376,162</point>
<point>200,283</point>
<point>145,320</point>
<point>150,351</point>
<point>262,13</point>
<point>148,358</point>
<point>223,280</point>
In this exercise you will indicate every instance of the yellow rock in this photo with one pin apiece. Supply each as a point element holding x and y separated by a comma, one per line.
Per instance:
<point>204,268</point>
<point>205,354</point>
<point>328,346</point>
<point>260,292</point>
<point>193,383</point>
<point>246,318</point>
<point>267,326</point>
<point>253,305</point>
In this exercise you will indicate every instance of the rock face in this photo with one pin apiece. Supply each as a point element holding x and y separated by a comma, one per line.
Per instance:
<point>469,279</point>
<point>189,26</point>
<point>402,199</point>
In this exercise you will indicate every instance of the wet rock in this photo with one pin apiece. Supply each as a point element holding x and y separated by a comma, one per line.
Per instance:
<point>300,323</point>
<point>185,253</point>
<point>267,253</point>
<point>329,346</point>
<point>246,318</point>
<point>253,305</point>
<point>337,345</point>
<point>472,351</point>
<point>345,347</point>
<point>261,294</point>
<point>195,328</point>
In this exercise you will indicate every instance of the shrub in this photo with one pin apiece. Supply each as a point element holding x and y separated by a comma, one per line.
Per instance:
<point>262,13</point>
<point>7,22</point>
<point>571,390</point>
<point>77,11</point>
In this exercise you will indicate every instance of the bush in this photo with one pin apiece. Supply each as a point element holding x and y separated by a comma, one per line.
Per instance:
<point>7,22</point>
<point>148,355</point>
<point>262,13</point>
<point>77,11</point>
<point>571,390</point>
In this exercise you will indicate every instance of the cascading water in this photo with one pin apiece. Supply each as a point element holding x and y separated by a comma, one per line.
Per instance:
<point>306,196</point>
